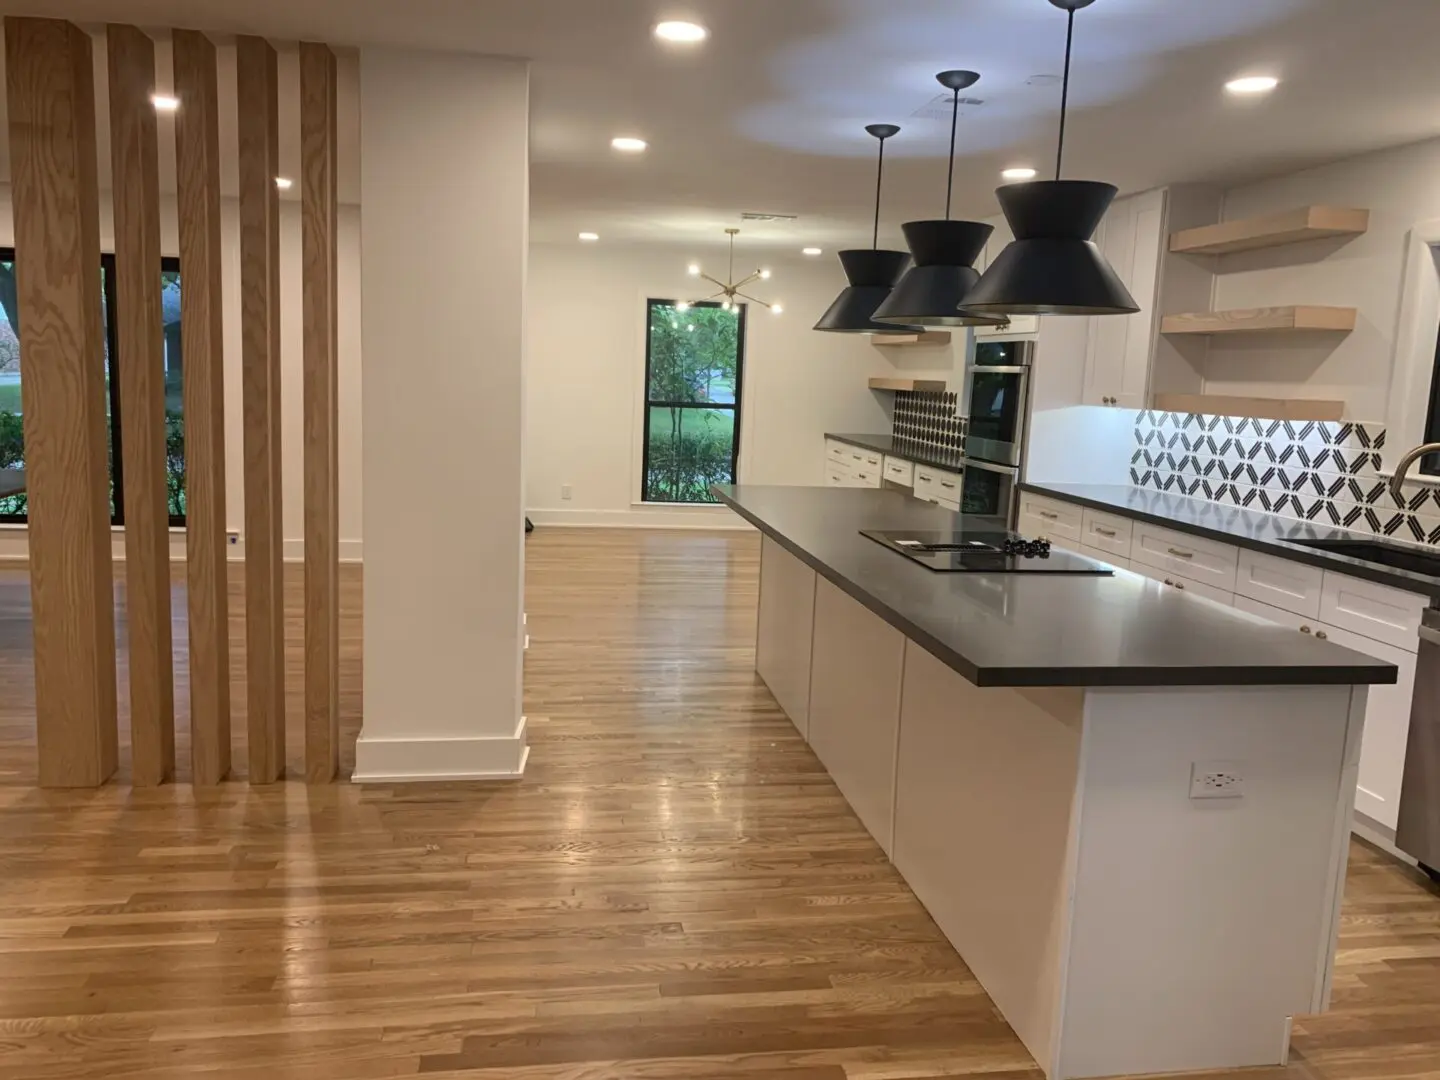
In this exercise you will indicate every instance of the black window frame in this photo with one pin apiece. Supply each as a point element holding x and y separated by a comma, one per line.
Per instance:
<point>647,404</point>
<point>168,264</point>
<point>1429,465</point>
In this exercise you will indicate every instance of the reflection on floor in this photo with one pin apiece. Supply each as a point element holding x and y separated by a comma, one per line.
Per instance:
<point>675,890</point>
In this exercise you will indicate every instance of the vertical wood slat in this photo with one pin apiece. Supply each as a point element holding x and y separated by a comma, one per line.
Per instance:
<point>135,166</point>
<point>257,87</point>
<point>197,154</point>
<point>51,95</point>
<point>320,227</point>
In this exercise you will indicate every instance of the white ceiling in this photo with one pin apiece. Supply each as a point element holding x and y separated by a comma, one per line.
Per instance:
<point>769,114</point>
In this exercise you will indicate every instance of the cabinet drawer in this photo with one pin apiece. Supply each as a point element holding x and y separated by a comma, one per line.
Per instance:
<point>1107,533</point>
<point>1371,610</point>
<point>947,504</point>
<point>865,476</point>
<point>1191,557</point>
<point>899,471</point>
<point>1280,583</point>
<point>937,485</point>
<point>1105,557</point>
<point>1188,586</point>
<point>836,451</point>
<point>837,475</point>
<point>857,458</point>
<point>1276,615</point>
<point>1057,521</point>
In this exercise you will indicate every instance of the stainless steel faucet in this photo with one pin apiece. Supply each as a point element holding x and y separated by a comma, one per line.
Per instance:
<point>1410,457</point>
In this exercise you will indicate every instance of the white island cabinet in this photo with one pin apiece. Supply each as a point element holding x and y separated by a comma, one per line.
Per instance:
<point>1127,809</point>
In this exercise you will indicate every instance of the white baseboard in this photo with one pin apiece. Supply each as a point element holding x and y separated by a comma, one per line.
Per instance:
<point>1367,828</point>
<point>398,761</point>
<point>678,517</point>
<point>15,547</point>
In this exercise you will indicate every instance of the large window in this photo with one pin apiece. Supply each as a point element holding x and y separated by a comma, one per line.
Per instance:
<point>12,436</point>
<point>694,366</point>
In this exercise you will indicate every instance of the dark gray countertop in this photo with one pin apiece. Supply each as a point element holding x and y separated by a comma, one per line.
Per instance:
<point>1243,528</point>
<point>1036,630</point>
<point>919,453</point>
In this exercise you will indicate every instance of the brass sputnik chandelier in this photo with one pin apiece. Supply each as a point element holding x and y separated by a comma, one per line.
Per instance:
<point>730,289</point>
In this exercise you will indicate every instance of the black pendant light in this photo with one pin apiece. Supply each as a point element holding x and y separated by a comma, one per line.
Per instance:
<point>1052,267</point>
<point>933,291</point>
<point>872,273</point>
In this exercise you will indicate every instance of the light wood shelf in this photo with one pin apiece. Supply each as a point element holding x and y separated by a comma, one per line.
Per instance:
<point>1270,320</point>
<point>928,337</point>
<point>1263,408</point>
<point>1273,230</point>
<point>924,386</point>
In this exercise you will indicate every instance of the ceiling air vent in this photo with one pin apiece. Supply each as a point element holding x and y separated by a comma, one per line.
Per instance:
<point>755,215</point>
<point>939,108</point>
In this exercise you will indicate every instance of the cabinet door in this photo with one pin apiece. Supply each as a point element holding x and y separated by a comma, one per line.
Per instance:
<point>1117,362</point>
<point>1387,728</point>
<point>1106,351</point>
<point>1185,585</point>
<point>1105,557</point>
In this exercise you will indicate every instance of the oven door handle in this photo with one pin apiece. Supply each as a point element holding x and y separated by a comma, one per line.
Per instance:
<point>971,463</point>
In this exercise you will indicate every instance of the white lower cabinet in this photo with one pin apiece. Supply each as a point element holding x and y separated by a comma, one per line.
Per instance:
<point>1182,584</point>
<point>1387,711</point>
<point>1104,556</point>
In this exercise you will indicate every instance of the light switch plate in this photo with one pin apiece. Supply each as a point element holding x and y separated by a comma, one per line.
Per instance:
<point>1217,780</point>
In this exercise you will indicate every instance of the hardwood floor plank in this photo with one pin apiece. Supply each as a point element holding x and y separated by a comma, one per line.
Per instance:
<point>674,891</point>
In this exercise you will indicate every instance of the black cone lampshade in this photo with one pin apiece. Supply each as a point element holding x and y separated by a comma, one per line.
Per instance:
<point>871,274</point>
<point>1052,267</point>
<point>932,292</point>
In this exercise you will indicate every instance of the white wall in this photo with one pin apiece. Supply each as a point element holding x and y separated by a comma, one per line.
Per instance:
<point>445,183</point>
<point>13,538</point>
<point>1400,187</point>
<point>586,366</point>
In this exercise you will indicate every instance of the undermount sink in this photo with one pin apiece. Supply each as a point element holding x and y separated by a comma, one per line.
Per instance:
<point>1417,562</point>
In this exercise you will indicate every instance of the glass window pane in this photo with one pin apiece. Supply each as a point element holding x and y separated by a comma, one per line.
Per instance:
<point>174,393</point>
<point>694,354</point>
<point>12,441</point>
<point>689,449</point>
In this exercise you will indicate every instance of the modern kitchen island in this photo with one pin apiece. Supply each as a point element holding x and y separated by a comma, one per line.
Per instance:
<point>1028,751</point>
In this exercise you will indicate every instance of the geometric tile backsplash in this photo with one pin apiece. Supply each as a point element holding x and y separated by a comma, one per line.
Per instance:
<point>1315,470</point>
<point>929,420</point>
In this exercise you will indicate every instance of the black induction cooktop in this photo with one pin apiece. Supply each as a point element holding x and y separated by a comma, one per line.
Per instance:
<point>984,553</point>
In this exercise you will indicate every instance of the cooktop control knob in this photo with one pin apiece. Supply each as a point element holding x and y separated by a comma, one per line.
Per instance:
<point>1027,549</point>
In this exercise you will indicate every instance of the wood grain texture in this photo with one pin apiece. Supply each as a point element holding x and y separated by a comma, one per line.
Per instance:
<point>135,168</point>
<point>319,256</point>
<point>675,890</point>
<point>1265,408</point>
<point>924,386</point>
<point>51,94</point>
<point>1272,230</point>
<point>924,337</point>
<point>197,153</point>
<point>1271,320</point>
<point>257,84</point>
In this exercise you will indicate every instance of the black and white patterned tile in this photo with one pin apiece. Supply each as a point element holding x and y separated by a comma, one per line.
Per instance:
<point>1319,471</point>
<point>929,421</point>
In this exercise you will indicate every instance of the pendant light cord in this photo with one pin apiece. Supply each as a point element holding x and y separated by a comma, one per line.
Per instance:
<point>950,182</point>
<point>1065,92</point>
<point>879,183</point>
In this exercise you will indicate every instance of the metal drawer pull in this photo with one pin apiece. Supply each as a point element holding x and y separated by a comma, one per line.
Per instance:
<point>946,484</point>
<point>1306,630</point>
<point>1180,585</point>
<point>1169,582</point>
<point>1182,554</point>
<point>1105,532</point>
<point>1048,516</point>
<point>1322,635</point>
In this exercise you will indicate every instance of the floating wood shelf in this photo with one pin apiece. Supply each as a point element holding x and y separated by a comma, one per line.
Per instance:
<point>928,337</point>
<point>924,386</point>
<point>1270,320</point>
<point>1264,408</point>
<point>1273,230</point>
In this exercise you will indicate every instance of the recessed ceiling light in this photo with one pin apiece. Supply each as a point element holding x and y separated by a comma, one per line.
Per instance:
<point>164,102</point>
<point>684,33</point>
<point>812,252</point>
<point>776,309</point>
<point>628,144</point>
<point>589,237</point>
<point>1019,173</point>
<point>693,270</point>
<point>284,183</point>
<point>1252,84</point>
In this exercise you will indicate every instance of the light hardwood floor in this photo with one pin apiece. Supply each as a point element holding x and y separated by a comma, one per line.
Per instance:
<point>675,890</point>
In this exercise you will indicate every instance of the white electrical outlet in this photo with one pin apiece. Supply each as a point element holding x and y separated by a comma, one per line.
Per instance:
<point>1217,780</point>
<point>233,538</point>
<point>566,491</point>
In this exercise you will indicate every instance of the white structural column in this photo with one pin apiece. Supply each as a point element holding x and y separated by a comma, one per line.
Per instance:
<point>445,187</point>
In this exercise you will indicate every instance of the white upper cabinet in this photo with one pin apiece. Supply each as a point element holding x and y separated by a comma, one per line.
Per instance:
<point>1117,361</point>
<point>1018,324</point>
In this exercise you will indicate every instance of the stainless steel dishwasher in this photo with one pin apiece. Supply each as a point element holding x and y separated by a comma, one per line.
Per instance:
<point>1418,831</point>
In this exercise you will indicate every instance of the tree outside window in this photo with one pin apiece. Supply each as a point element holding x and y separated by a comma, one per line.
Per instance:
<point>694,366</point>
